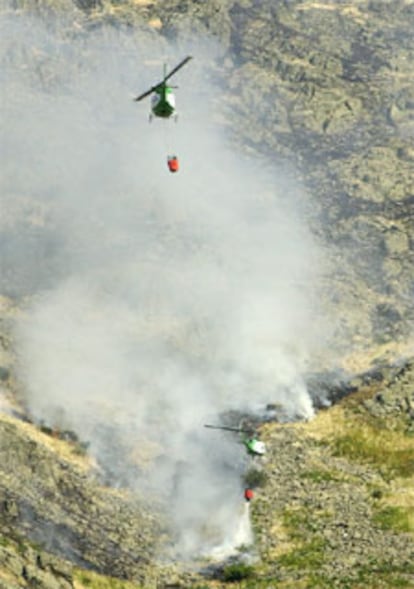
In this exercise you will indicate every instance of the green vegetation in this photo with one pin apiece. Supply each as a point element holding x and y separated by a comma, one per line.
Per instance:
<point>318,581</point>
<point>377,493</point>
<point>255,478</point>
<point>310,555</point>
<point>308,552</point>
<point>318,476</point>
<point>296,521</point>
<point>393,518</point>
<point>49,431</point>
<point>22,547</point>
<point>238,572</point>
<point>80,448</point>
<point>390,452</point>
<point>380,574</point>
<point>301,522</point>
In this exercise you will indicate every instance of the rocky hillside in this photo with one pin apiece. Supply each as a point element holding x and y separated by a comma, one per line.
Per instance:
<point>328,85</point>
<point>333,506</point>
<point>337,508</point>
<point>326,88</point>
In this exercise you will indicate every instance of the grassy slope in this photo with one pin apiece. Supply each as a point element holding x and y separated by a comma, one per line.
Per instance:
<point>368,462</point>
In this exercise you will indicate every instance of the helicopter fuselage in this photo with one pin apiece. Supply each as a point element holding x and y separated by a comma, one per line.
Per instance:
<point>162,97</point>
<point>254,446</point>
<point>163,102</point>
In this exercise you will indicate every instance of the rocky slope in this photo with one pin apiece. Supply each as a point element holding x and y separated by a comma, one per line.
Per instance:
<point>327,88</point>
<point>331,98</point>
<point>337,509</point>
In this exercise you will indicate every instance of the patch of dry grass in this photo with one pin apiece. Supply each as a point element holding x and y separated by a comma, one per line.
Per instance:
<point>284,543</point>
<point>359,361</point>
<point>65,450</point>
<point>355,437</point>
<point>389,451</point>
<point>359,437</point>
<point>401,495</point>
<point>7,578</point>
<point>88,580</point>
<point>324,424</point>
<point>350,9</point>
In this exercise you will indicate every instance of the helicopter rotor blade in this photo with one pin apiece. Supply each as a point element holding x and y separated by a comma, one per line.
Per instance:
<point>177,67</point>
<point>171,73</point>
<point>229,429</point>
<point>147,93</point>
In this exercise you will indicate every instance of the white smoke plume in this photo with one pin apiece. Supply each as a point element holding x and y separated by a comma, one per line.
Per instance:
<point>154,302</point>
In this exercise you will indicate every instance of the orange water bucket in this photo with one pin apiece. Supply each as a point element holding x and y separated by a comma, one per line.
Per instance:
<point>173,163</point>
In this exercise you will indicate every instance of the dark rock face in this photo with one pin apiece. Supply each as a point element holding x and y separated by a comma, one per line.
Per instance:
<point>328,86</point>
<point>32,567</point>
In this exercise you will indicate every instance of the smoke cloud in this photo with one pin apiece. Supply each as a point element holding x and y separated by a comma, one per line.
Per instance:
<point>153,302</point>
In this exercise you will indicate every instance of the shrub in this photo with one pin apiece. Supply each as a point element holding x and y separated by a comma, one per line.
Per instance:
<point>238,572</point>
<point>255,478</point>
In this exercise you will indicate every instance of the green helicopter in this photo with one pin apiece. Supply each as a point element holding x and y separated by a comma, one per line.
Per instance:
<point>163,98</point>
<point>254,446</point>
